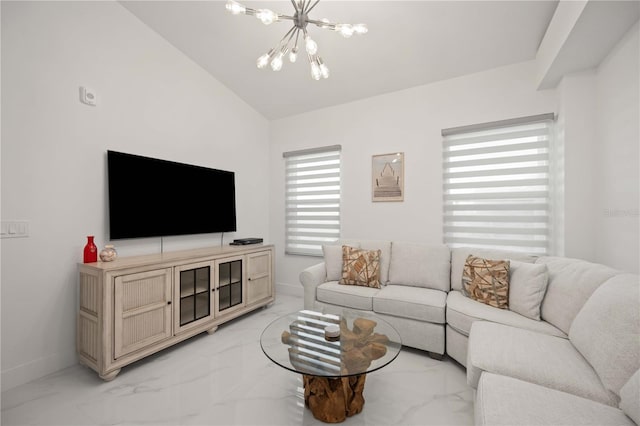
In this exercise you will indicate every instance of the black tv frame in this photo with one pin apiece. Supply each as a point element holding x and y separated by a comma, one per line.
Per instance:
<point>151,197</point>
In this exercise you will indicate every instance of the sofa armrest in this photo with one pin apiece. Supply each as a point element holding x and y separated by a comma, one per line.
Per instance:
<point>311,278</point>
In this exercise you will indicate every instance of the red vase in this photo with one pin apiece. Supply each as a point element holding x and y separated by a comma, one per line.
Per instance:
<point>90,251</point>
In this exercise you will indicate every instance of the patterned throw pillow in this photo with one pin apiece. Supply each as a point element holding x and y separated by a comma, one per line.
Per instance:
<point>360,267</point>
<point>487,281</point>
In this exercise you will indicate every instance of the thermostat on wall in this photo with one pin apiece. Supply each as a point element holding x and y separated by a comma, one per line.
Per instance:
<point>87,96</point>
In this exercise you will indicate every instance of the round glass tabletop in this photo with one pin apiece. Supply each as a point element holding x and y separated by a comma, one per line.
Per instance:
<point>298,343</point>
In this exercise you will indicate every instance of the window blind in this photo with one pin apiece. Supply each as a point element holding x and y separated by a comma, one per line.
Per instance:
<point>496,185</point>
<point>312,193</point>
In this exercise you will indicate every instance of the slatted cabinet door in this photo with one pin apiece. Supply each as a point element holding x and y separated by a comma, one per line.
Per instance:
<point>259,276</point>
<point>142,310</point>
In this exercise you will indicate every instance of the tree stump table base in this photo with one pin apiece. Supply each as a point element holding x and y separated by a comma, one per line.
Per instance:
<point>333,400</point>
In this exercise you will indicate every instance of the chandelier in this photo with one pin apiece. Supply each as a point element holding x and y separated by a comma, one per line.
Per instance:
<point>289,43</point>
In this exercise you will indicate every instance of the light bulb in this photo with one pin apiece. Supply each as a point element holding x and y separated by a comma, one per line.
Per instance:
<point>310,45</point>
<point>264,59</point>
<point>346,30</point>
<point>266,16</point>
<point>235,8</point>
<point>315,71</point>
<point>360,28</point>
<point>276,63</point>
<point>324,71</point>
<point>293,56</point>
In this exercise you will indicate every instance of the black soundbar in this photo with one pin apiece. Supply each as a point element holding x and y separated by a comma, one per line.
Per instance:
<point>245,241</point>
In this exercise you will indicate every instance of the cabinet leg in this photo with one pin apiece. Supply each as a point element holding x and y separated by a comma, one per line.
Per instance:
<point>109,376</point>
<point>212,330</point>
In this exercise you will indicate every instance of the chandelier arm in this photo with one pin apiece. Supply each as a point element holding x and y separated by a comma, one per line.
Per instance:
<point>322,24</point>
<point>305,6</point>
<point>295,44</point>
<point>285,36</point>
<point>290,18</point>
<point>314,5</point>
<point>295,6</point>
<point>295,31</point>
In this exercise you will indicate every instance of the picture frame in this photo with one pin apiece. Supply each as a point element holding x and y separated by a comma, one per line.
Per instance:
<point>387,177</point>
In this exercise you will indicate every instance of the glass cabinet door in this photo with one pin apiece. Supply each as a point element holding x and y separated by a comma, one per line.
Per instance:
<point>194,294</point>
<point>230,284</point>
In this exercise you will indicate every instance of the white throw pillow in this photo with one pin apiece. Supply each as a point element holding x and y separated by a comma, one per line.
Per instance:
<point>527,287</point>
<point>420,265</point>
<point>333,258</point>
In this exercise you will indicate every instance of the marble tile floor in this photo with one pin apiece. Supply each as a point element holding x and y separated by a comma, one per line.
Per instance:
<point>225,379</point>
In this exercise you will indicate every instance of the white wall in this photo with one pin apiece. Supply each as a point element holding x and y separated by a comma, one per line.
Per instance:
<point>599,112</point>
<point>408,121</point>
<point>617,91</point>
<point>153,101</point>
<point>577,119</point>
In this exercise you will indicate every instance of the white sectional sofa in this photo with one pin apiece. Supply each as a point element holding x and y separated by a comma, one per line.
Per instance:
<point>566,352</point>
<point>595,367</point>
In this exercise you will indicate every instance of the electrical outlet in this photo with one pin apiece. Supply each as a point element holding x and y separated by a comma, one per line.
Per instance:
<point>88,96</point>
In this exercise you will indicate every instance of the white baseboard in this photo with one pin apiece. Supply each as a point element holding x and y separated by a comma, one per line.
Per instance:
<point>36,369</point>
<point>288,289</point>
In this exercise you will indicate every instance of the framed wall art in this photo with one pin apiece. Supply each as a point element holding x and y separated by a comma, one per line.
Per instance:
<point>387,177</point>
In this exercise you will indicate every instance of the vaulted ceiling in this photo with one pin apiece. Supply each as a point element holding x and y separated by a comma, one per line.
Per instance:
<point>409,43</point>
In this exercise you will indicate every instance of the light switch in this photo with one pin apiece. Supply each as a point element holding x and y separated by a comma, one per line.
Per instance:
<point>15,229</point>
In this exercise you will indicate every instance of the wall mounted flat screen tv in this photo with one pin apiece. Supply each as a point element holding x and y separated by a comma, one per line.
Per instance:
<point>149,197</point>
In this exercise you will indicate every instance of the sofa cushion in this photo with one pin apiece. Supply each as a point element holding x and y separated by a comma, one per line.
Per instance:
<point>487,281</point>
<point>385,256</point>
<point>462,312</point>
<point>423,304</point>
<point>420,265</point>
<point>360,267</point>
<point>349,296</point>
<point>503,400</point>
<point>333,258</point>
<point>459,256</point>
<point>606,331</point>
<point>456,345</point>
<point>630,397</point>
<point>571,282</point>
<point>534,357</point>
<point>527,286</point>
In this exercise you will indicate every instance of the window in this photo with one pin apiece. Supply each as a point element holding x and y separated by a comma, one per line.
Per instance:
<point>497,185</point>
<point>312,199</point>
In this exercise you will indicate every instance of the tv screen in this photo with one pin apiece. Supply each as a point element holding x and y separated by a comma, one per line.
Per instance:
<point>149,197</point>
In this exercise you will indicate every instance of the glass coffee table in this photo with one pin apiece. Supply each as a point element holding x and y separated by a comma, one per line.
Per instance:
<point>333,368</point>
